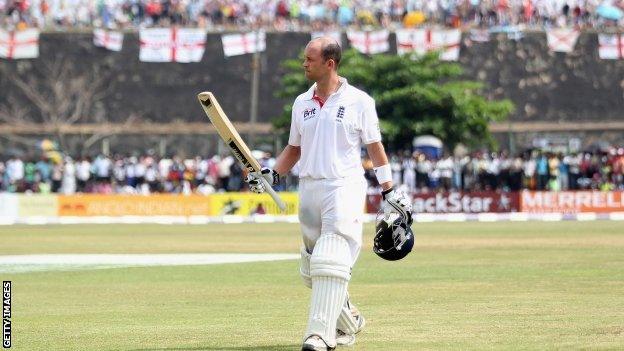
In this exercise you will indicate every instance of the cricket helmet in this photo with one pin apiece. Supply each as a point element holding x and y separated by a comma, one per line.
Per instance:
<point>394,238</point>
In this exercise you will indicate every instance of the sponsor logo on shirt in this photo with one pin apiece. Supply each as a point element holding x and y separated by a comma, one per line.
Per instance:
<point>309,113</point>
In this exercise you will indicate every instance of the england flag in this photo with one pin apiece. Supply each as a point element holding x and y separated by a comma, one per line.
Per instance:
<point>421,41</point>
<point>108,39</point>
<point>23,44</point>
<point>172,44</point>
<point>611,46</point>
<point>369,42</point>
<point>245,43</point>
<point>562,39</point>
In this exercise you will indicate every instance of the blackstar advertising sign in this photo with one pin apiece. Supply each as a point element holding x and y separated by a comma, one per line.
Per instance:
<point>464,202</point>
<point>458,202</point>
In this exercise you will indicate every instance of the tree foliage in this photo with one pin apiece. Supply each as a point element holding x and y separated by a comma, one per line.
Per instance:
<point>414,96</point>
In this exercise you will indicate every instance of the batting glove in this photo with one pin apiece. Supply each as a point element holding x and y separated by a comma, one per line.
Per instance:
<point>255,183</point>
<point>398,202</point>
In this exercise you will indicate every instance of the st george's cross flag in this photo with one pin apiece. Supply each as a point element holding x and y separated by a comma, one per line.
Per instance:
<point>172,44</point>
<point>107,39</point>
<point>22,44</point>
<point>562,39</point>
<point>244,43</point>
<point>421,41</point>
<point>374,42</point>
<point>611,46</point>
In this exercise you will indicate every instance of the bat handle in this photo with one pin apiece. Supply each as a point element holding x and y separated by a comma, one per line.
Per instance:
<point>278,200</point>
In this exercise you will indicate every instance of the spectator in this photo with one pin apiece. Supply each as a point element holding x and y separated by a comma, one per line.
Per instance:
<point>145,174</point>
<point>83,174</point>
<point>2,175</point>
<point>57,177</point>
<point>542,172</point>
<point>44,168</point>
<point>15,174</point>
<point>409,175</point>
<point>68,186</point>
<point>30,176</point>
<point>284,15</point>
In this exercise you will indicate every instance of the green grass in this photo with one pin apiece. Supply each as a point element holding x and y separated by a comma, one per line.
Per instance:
<point>466,286</point>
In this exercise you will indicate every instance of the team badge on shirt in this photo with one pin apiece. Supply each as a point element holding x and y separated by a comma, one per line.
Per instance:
<point>340,114</point>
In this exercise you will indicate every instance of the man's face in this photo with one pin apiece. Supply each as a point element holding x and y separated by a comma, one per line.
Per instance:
<point>313,64</point>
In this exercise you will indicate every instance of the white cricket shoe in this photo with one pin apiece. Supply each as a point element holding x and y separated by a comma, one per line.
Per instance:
<point>315,343</point>
<point>344,339</point>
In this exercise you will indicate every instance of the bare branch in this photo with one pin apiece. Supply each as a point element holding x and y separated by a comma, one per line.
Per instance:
<point>29,142</point>
<point>61,95</point>
<point>30,91</point>
<point>14,112</point>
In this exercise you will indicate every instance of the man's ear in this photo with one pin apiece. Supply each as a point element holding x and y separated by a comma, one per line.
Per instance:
<point>332,63</point>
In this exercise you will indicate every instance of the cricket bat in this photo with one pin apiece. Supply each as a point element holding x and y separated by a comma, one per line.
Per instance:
<point>233,140</point>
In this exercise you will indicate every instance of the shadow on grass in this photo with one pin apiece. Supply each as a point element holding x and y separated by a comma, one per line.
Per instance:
<point>229,348</point>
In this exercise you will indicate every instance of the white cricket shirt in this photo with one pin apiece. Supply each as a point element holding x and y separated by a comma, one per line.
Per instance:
<point>331,136</point>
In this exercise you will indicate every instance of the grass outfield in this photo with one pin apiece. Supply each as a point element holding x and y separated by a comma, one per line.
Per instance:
<point>466,286</point>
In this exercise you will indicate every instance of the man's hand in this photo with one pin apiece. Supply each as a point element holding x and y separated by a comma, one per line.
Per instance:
<point>397,201</point>
<point>255,182</point>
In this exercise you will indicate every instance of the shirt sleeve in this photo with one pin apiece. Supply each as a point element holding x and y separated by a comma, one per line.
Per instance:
<point>295,132</point>
<point>370,123</point>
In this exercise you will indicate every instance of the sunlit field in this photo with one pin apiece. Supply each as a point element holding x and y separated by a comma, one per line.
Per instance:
<point>466,286</point>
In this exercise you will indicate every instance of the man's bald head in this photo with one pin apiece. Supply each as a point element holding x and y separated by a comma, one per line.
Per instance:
<point>329,48</point>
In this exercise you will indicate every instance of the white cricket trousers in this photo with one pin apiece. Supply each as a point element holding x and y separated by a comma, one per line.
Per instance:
<point>332,206</point>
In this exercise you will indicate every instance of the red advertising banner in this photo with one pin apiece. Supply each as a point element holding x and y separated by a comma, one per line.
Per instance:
<point>571,201</point>
<point>457,202</point>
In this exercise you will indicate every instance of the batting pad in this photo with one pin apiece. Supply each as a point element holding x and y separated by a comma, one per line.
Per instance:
<point>304,267</point>
<point>330,269</point>
<point>346,322</point>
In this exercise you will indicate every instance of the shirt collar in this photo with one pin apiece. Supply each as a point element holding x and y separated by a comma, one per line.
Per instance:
<point>343,85</point>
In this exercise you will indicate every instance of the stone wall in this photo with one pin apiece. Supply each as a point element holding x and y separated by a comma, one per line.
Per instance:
<point>545,86</point>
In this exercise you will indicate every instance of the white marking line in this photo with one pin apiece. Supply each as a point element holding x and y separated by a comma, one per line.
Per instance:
<point>63,262</point>
<point>616,216</point>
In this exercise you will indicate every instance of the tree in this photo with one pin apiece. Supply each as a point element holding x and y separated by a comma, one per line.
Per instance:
<point>414,96</point>
<point>55,93</point>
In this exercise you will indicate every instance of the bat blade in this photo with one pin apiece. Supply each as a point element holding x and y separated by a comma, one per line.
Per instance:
<point>233,140</point>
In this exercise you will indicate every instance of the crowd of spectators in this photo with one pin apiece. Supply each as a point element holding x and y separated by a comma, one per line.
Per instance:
<point>532,170</point>
<point>415,172</point>
<point>301,14</point>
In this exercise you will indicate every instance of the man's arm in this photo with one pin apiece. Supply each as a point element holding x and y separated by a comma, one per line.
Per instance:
<point>287,159</point>
<point>394,199</point>
<point>377,154</point>
<point>284,163</point>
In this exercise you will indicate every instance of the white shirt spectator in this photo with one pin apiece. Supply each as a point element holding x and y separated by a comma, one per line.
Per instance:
<point>445,166</point>
<point>15,170</point>
<point>151,175</point>
<point>225,166</point>
<point>424,166</point>
<point>102,166</point>
<point>409,173</point>
<point>68,186</point>
<point>494,166</point>
<point>164,165</point>
<point>529,167</point>
<point>83,170</point>
<point>130,168</point>
<point>396,167</point>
